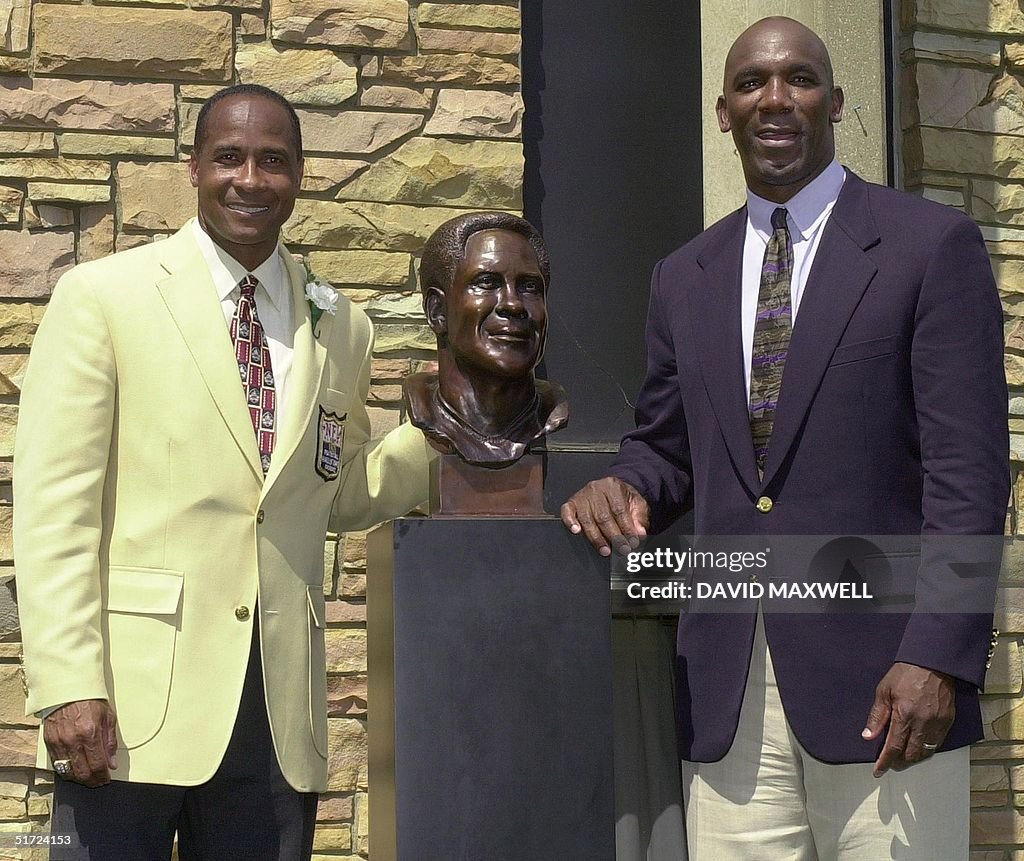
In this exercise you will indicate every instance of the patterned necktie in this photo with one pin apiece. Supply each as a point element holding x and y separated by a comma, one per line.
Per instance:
<point>253,357</point>
<point>773,327</point>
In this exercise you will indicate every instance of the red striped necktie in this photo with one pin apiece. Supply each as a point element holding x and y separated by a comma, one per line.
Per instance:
<point>254,368</point>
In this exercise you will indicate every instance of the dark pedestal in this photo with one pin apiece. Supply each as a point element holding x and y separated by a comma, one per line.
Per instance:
<point>490,692</point>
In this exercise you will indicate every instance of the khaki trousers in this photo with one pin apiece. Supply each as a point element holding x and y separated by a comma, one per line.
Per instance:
<point>769,800</point>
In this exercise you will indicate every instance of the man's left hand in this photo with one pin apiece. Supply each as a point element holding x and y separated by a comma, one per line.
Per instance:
<point>919,707</point>
<point>84,734</point>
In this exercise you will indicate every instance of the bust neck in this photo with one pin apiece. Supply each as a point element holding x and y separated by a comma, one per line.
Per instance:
<point>488,405</point>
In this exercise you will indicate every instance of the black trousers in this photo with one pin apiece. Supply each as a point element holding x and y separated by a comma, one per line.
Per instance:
<point>246,811</point>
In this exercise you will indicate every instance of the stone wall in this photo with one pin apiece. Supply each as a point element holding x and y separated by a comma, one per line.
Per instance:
<point>410,111</point>
<point>962,100</point>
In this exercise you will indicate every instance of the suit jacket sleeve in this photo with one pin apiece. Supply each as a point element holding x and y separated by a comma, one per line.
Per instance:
<point>384,478</point>
<point>960,398</point>
<point>655,457</point>
<point>61,453</point>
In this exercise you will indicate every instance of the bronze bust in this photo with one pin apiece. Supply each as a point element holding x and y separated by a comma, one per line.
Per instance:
<point>484,278</point>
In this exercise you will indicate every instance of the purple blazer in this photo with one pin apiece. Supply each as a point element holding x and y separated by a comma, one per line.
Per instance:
<point>891,421</point>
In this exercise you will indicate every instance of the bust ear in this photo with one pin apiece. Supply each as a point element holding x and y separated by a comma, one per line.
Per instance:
<point>435,309</point>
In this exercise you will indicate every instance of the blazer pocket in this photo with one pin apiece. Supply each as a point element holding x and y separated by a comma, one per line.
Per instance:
<point>861,351</point>
<point>317,669</point>
<point>892,579</point>
<point>140,619</point>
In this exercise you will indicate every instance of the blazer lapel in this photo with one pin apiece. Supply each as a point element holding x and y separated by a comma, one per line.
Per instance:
<point>715,311</point>
<point>838,278</point>
<point>191,299</point>
<point>309,356</point>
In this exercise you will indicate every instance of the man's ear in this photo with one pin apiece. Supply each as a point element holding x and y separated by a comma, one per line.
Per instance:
<point>193,169</point>
<point>835,113</point>
<point>435,309</point>
<point>722,112</point>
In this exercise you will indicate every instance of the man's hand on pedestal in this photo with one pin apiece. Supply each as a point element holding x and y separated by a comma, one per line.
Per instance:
<point>611,513</point>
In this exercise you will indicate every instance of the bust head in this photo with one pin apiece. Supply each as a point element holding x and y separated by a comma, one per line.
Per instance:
<point>484,277</point>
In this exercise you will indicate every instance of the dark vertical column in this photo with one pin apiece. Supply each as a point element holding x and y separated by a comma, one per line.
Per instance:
<point>613,180</point>
<point>892,76</point>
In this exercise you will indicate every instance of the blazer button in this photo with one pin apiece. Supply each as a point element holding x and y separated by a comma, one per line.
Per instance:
<point>259,516</point>
<point>764,504</point>
<point>241,613</point>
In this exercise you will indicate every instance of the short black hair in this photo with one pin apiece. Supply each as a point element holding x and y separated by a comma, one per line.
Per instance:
<point>446,246</point>
<point>247,90</point>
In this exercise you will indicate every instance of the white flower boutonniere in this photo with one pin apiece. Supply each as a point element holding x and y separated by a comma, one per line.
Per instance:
<point>321,297</point>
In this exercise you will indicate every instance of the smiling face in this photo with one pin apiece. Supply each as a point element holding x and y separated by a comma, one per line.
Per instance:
<point>493,316</point>
<point>247,173</point>
<point>780,104</point>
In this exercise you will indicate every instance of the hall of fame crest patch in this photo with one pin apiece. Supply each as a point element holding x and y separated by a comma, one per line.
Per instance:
<point>330,436</point>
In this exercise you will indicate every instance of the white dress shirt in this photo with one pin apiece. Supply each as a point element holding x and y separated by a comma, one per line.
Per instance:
<point>807,213</point>
<point>273,304</point>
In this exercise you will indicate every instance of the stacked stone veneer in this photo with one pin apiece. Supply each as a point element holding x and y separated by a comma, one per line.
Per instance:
<point>410,112</point>
<point>962,98</point>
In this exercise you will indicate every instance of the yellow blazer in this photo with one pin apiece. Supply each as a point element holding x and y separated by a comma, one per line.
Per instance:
<point>145,533</point>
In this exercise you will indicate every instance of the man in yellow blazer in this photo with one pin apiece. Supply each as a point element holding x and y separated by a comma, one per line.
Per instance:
<point>170,516</point>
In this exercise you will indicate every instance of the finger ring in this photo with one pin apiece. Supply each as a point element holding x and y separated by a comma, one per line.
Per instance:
<point>62,767</point>
<point>931,748</point>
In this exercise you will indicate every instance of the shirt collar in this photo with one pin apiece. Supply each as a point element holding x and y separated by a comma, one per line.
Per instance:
<point>806,208</point>
<point>228,272</point>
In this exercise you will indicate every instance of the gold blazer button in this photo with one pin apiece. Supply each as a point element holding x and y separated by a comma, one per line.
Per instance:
<point>259,516</point>
<point>241,613</point>
<point>764,504</point>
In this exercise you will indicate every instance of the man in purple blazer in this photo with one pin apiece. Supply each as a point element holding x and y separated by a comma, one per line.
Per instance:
<point>825,735</point>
